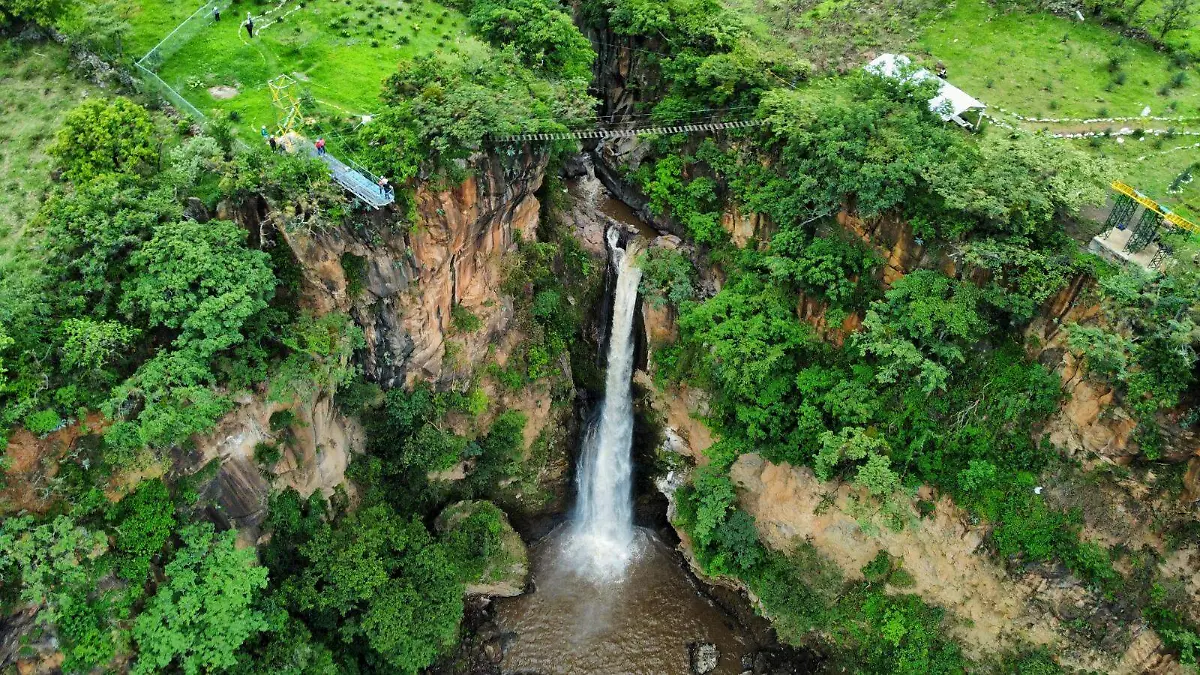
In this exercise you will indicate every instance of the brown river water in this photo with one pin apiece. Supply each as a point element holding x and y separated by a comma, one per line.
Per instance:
<point>640,625</point>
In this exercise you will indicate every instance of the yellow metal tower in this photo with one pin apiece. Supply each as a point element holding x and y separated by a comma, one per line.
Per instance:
<point>286,100</point>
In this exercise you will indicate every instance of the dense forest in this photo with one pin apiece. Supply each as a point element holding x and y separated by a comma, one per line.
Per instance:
<point>252,425</point>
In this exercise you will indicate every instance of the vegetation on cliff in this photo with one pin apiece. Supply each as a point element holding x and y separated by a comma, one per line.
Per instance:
<point>148,289</point>
<point>932,384</point>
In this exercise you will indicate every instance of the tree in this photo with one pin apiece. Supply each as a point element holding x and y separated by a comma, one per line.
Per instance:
<point>91,231</point>
<point>667,276</point>
<point>91,347</point>
<point>747,342</point>
<point>5,343</point>
<point>543,35</point>
<point>201,280</point>
<point>143,522</point>
<point>104,136</point>
<point>42,563</point>
<point>379,577</point>
<point>1174,15</point>
<point>1018,183</point>
<point>923,325</point>
<point>41,12</point>
<point>203,611</point>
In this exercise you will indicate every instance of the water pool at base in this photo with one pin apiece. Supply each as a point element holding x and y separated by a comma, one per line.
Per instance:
<point>640,625</point>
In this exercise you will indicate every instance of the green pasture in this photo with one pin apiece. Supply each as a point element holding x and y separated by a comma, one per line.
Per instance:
<point>339,53</point>
<point>1043,65</point>
<point>35,94</point>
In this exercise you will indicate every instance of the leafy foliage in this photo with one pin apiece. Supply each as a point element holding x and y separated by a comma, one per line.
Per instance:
<point>143,521</point>
<point>203,612</point>
<point>748,343</point>
<point>473,542</point>
<point>43,563</point>
<point>667,277</point>
<point>440,108</point>
<point>105,136</point>
<point>201,280</point>
<point>383,579</point>
<point>922,327</point>
<point>540,31</point>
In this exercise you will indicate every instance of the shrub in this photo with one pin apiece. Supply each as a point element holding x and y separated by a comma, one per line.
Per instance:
<point>463,320</point>
<point>667,276</point>
<point>43,422</point>
<point>355,269</point>
<point>474,543</point>
<point>267,454</point>
<point>281,420</point>
<point>105,136</point>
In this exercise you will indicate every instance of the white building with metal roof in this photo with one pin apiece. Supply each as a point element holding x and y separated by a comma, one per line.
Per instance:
<point>951,103</point>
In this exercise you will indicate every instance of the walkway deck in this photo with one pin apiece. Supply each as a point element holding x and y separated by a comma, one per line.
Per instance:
<point>353,178</point>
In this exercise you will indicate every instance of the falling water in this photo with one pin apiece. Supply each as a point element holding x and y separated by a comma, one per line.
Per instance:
<point>603,537</point>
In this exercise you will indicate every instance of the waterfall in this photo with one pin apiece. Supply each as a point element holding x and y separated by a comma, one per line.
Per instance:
<point>603,538</point>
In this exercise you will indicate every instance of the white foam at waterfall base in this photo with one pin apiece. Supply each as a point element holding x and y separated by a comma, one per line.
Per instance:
<point>602,541</point>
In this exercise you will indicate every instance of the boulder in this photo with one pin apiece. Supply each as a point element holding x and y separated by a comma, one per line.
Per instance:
<point>703,657</point>
<point>507,573</point>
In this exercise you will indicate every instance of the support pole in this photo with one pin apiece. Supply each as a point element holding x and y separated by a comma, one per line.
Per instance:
<point>1145,232</point>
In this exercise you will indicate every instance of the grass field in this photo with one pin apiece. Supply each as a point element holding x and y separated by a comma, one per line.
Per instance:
<point>1043,65</point>
<point>836,35</point>
<point>338,52</point>
<point>36,92</point>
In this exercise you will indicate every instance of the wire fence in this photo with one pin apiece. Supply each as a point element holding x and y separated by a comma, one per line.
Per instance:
<point>169,93</point>
<point>183,33</point>
<point>152,60</point>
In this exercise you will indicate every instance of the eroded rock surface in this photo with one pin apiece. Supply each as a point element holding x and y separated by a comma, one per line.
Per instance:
<point>990,609</point>
<point>415,275</point>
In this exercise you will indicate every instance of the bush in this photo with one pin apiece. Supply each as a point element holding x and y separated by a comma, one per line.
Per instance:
<point>105,136</point>
<point>267,454</point>
<point>143,522</point>
<point>667,276</point>
<point>473,543</point>
<point>463,320</point>
<point>355,269</point>
<point>282,420</point>
<point>43,422</point>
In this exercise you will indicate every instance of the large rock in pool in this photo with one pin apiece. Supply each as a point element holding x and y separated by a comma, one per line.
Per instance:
<point>484,546</point>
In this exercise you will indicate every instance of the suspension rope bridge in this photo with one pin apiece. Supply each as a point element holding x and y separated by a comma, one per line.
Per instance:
<point>628,132</point>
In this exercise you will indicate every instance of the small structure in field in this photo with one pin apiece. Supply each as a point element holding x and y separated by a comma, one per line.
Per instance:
<point>951,103</point>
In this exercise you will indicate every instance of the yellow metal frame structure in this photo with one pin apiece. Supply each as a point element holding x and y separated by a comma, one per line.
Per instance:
<point>1172,218</point>
<point>286,103</point>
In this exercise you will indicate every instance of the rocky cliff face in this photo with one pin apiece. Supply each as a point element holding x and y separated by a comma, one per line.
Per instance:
<point>414,276</point>
<point>991,610</point>
<point>316,443</point>
<point>401,283</point>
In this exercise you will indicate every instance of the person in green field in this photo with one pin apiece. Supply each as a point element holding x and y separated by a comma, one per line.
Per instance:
<point>216,13</point>
<point>263,131</point>
<point>249,25</point>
